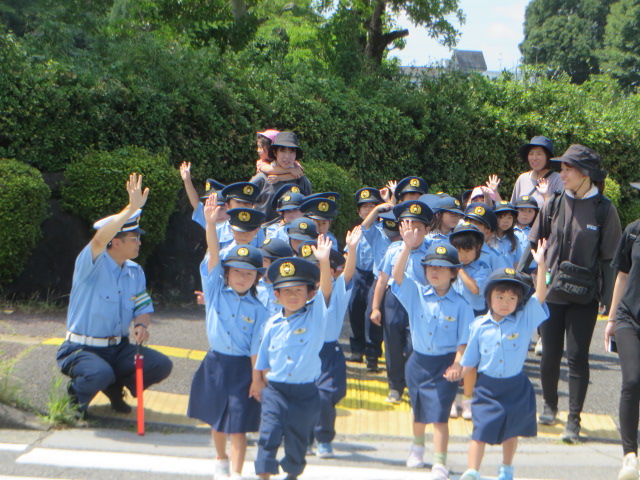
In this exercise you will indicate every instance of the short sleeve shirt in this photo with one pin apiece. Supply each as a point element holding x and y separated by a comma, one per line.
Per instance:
<point>340,296</point>
<point>379,243</point>
<point>627,260</point>
<point>479,271</point>
<point>414,269</point>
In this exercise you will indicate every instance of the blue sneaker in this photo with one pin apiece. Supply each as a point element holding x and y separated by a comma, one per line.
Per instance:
<point>325,450</point>
<point>505,472</point>
<point>470,474</point>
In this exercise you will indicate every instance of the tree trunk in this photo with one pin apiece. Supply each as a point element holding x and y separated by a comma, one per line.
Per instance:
<point>377,42</point>
<point>238,9</point>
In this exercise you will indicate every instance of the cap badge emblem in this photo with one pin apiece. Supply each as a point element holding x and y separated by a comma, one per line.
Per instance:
<point>207,186</point>
<point>287,269</point>
<point>441,250</point>
<point>390,223</point>
<point>526,198</point>
<point>415,209</point>
<point>243,252</point>
<point>295,189</point>
<point>304,226</point>
<point>509,271</point>
<point>414,182</point>
<point>479,210</point>
<point>306,250</point>
<point>248,190</point>
<point>287,198</point>
<point>323,206</point>
<point>365,194</point>
<point>244,216</point>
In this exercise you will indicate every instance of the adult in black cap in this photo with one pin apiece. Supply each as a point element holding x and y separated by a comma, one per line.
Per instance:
<point>286,151</point>
<point>623,327</point>
<point>537,153</point>
<point>583,228</point>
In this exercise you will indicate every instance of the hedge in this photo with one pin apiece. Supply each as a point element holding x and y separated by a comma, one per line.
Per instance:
<point>23,207</point>
<point>95,188</point>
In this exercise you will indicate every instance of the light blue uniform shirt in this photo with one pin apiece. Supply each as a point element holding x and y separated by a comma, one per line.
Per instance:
<point>281,233</point>
<point>522,234</point>
<point>437,237</point>
<point>198,215</point>
<point>414,269</point>
<point>493,258</point>
<point>364,255</point>
<point>291,346</point>
<point>340,296</point>
<point>479,271</point>
<point>234,322</point>
<point>439,325</point>
<point>102,300</point>
<point>333,238</point>
<point>499,349</point>
<point>379,243</point>
<point>503,246</point>
<point>268,298</point>
<point>270,230</point>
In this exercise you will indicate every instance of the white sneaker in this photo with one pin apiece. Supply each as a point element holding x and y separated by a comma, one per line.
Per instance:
<point>454,410</point>
<point>629,470</point>
<point>221,469</point>
<point>538,349</point>
<point>466,408</point>
<point>439,472</point>
<point>416,455</point>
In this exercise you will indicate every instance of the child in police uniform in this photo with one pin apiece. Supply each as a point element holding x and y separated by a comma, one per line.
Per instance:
<point>225,389</point>
<point>482,216</point>
<point>439,320</point>
<point>504,404</point>
<point>322,211</point>
<point>271,249</point>
<point>505,238</point>
<point>290,362</point>
<point>287,203</point>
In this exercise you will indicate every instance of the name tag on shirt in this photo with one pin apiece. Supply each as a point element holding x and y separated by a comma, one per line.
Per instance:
<point>513,336</point>
<point>247,319</point>
<point>593,227</point>
<point>450,319</point>
<point>299,331</point>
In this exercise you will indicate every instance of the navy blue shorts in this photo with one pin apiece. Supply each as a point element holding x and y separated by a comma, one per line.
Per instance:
<point>220,394</point>
<point>430,393</point>
<point>503,408</point>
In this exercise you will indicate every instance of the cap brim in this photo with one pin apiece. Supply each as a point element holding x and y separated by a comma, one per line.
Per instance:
<point>242,229</point>
<point>288,207</point>
<point>440,263</point>
<point>242,265</point>
<point>291,283</point>
<point>635,185</point>
<point>300,236</point>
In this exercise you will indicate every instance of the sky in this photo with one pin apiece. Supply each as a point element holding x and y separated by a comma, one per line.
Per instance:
<point>493,26</point>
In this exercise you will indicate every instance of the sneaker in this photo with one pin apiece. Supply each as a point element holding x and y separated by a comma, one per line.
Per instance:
<point>571,432</point>
<point>466,408</point>
<point>454,410</point>
<point>538,349</point>
<point>416,455</point>
<point>310,450</point>
<point>325,450</point>
<point>470,474</point>
<point>115,394</point>
<point>372,365</point>
<point>439,472</point>
<point>221,469</point>
<point>394,397</point>
<point>505,472</point>
<point>629,470</point>
<point>235,476</point>
<point>548,415</point>
<point>355,358</point>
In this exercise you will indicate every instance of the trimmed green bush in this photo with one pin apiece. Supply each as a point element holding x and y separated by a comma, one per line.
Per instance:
<point>327,177</point>
<point>96,188</point>
<point>23,207</point>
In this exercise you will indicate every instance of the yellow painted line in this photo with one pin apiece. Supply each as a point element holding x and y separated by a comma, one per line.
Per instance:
<point>21,339</point>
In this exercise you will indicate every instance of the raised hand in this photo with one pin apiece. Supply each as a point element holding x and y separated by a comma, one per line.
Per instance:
<point>353,238</point>
<point>493,183</point>
<point>185,171</point>
<point>538,254</point>
<point>137,197</point>
<point>323,250</point>
<point>212,209</point>
<point>409,236</point>
<point>543,187</point>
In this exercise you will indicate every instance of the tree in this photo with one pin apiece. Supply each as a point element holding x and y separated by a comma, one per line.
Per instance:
<point>620,55</point>
<point>566,35</point>
<point>378,20</point>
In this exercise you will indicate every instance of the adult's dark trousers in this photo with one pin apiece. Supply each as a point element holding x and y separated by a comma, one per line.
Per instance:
<point>397,340</point>
<point>576,322</point>
<point>373,333</point>
<point>628,340</point>
<point>362,281</point>
<point>93,369</point>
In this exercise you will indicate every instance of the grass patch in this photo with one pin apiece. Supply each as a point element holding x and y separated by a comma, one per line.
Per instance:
<point>48,302</point>
<point>61,411</point>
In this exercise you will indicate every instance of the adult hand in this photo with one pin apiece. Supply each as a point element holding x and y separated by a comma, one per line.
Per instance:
<point>272,179</point>
<point>255,390</point>
<point>140,333</point>
<point>137,197</point>
<point>543,187</point>
<point>609,333</point>
<point>199,297</point>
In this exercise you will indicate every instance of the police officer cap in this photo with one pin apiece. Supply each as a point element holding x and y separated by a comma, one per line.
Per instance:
<point>441,255</point>
<point>211,186</point>
<point>466,227</point>
<point>245,219</point>
<point>293,271</point>
<point>430,200</point>
<point>319,208</point>
<point>285,139</point>
<point>464,198</point>
<point>447,203</point>
<point>243,191</point>
<point>244,256</point>
<point>527,201</point>
<point>131,225</point>
<point>336,259</point>
<point>511,276</point>
<point>413,210</point>
<point>389,223</point>
<point>302,228</point>
<point>482,213</point>
<point>368,195</point>
<point>411,184</point>
<point>275,248</point>
<point>333,196</point>
<point>288,197</point>
<point>504,206</point>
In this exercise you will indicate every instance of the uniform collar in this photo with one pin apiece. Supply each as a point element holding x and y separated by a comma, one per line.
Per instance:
<point>450,295</point>
<point>488,318</point>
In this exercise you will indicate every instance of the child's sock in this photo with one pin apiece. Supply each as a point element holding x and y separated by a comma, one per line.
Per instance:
<point>440,457</point>
<point>419,440</point>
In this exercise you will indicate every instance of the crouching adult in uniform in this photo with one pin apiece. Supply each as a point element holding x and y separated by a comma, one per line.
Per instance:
<point>107,297</point>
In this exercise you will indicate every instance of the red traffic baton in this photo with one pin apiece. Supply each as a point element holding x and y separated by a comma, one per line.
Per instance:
<point>140,387</point>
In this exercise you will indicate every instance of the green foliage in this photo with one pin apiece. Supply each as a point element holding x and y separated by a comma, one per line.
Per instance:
<point>328,177</point>
<point>60,409</point>
<point>612,191</point>
<point>96,188</point>
<point>23,207</point>
<point>620,55</point>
